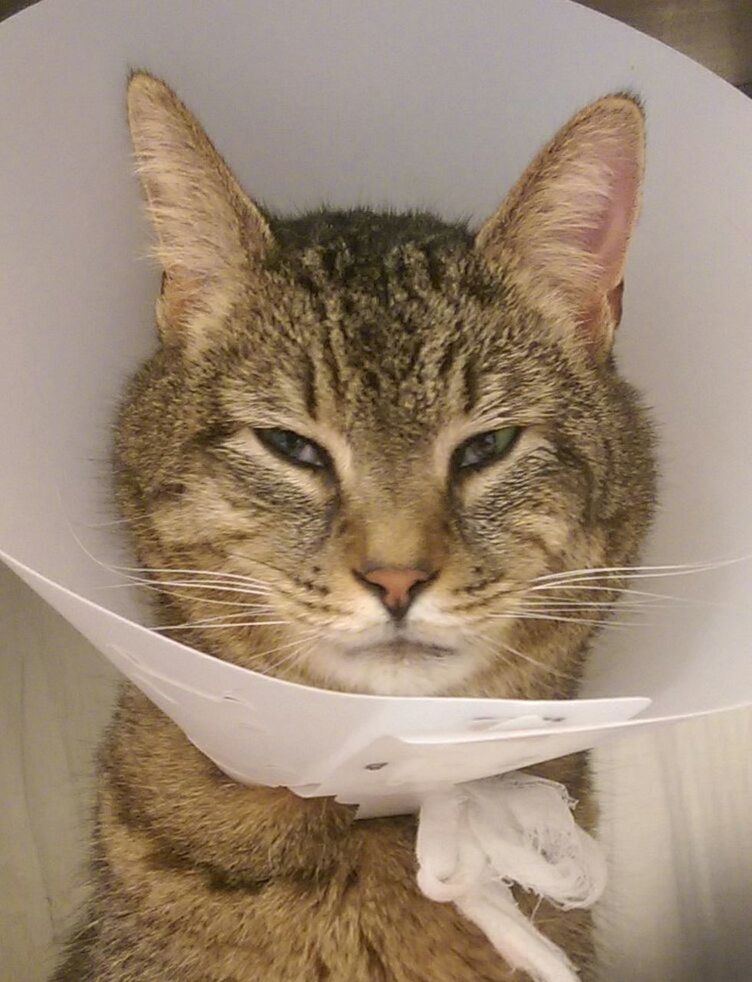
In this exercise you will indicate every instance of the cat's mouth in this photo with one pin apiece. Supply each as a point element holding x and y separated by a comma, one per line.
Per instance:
<point>402,648</point>
<point>420,659</point>
<point>415,660</point>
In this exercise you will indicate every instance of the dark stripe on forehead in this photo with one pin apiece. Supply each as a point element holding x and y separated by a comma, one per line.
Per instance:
<point>332,341</point>
<point>449,358</point>
<point>457,361</point>
<point>309,386</point>
<point>434,267</point>
<point>470,383</point>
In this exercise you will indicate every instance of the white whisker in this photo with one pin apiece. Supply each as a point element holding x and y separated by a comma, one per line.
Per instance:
<point>251,581</point>
<point>282,647</point>
<point>214,621</point>
<point>539,664</point>
<point>100,525</point>
<point>189,625</point>
<point>636,572</point>
<point>528,658</point>
<point>295,656</point>
<point>226,577</point>
<point>628,591</point>
<point>183,596</point>
<point>191,585</point>
<point>598,604</point>
<point>533,616</point>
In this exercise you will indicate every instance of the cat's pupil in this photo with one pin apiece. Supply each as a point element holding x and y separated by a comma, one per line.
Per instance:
<point>293,446</point>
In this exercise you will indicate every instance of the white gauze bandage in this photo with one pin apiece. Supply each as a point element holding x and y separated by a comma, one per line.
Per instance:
<point>476,839</point>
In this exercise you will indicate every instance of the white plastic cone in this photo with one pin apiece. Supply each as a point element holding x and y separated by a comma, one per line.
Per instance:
<point>436,104</point>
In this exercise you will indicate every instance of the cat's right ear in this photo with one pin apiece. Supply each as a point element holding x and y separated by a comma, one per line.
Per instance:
<point>563,230</point>
<point>209,233</point>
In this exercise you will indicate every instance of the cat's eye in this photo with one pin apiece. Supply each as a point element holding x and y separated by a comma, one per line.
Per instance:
<point>294,447</point>
<point>485,448</point>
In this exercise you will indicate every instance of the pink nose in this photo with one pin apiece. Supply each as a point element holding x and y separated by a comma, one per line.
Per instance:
<point>396,584</point>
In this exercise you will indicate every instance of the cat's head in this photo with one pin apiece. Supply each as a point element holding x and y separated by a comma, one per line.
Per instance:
<point>367,441</point>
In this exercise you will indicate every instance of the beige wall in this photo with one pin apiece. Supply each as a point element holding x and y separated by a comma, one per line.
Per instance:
<point>56,694</point>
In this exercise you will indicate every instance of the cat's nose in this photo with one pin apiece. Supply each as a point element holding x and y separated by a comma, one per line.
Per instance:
<point>396,586</point>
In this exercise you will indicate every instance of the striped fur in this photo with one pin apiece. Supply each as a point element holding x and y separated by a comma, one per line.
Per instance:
<point>387,339</point>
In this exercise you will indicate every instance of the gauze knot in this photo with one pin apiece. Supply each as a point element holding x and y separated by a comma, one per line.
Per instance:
<point>476,839</point>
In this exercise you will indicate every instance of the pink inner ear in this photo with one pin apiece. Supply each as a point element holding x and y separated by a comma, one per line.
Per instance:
<point>601,219</point>
<point>568,220</point>
<point>612,209</point>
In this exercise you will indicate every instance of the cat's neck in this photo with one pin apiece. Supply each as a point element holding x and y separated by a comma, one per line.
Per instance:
<point>164,788</point>
<point>166,791</point>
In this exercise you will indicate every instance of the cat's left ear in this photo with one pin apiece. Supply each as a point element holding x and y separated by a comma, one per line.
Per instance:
<point>209,233</point>
<point>564,228</point>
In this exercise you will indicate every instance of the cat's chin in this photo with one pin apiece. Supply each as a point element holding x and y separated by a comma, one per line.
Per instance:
<point>394,668</point>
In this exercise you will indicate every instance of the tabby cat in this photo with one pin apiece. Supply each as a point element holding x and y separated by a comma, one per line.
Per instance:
<point>388,429</point>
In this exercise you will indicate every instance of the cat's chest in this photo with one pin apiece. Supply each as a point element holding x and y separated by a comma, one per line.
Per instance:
<point>362,921</point>
<point>366,926</point>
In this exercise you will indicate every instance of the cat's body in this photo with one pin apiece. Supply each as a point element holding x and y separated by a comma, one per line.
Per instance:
<point>395,431</point>
<point>199,879</point>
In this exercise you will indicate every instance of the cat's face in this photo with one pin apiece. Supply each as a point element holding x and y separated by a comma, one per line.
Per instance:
<point>375,434</point>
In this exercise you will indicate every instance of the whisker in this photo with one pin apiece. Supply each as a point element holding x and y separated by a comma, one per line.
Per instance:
<point>189,584</point>
<point>533,616</point>
<point>260,562</point>
<point>189,625</point>
<point>525,657</point>
<point>598,604</point>
<point>628,591</point>
<point>539,664</point>
<point>100,525</point>
<point>630,572</point>
<point>78,541</point>
<point>282,647</point>
<point>604,589</point>
<point>138,569</point>
<point>617,577</point>
<point>212,620</point>
<point>182,596</point>
<point>251,581</point>
<point>295,656</point>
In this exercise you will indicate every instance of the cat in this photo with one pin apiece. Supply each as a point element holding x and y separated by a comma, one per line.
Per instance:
<point>392,427</point>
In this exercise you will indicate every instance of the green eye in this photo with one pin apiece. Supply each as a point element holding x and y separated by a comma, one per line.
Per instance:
<point>294,447</point>
<point>485,447</point>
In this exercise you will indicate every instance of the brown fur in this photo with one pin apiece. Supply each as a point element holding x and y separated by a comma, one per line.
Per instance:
<point>388,340</point>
